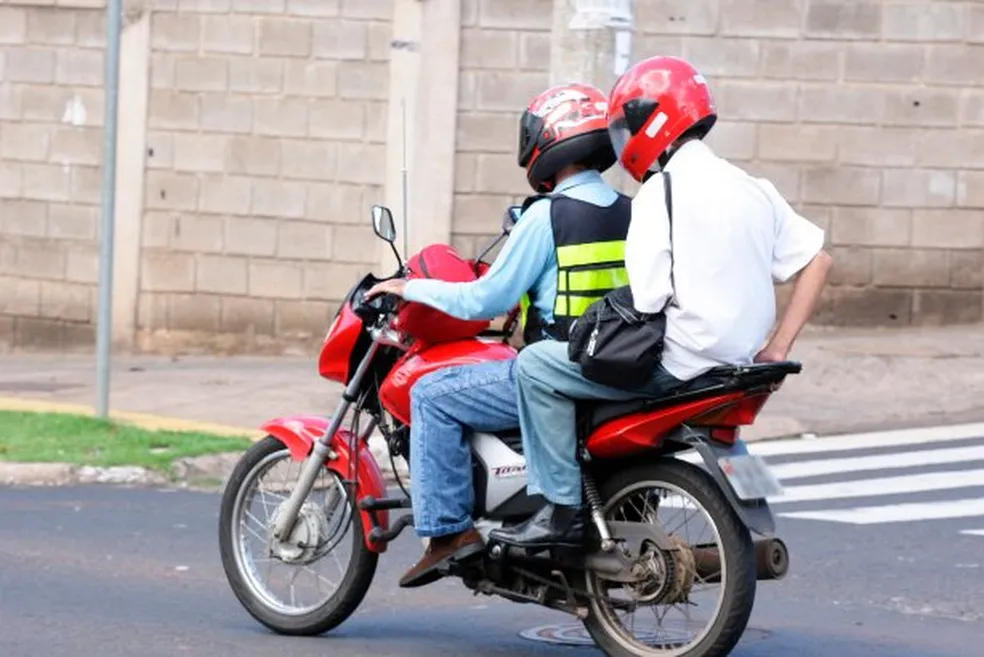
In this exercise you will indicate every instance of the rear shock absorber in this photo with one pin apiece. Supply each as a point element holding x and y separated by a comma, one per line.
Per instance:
<point>594,503</point>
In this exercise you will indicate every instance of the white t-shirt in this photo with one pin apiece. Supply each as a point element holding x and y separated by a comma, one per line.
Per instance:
<point>733,234</point>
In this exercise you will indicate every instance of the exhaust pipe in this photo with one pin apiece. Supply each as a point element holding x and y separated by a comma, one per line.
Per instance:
<point>771,561</point>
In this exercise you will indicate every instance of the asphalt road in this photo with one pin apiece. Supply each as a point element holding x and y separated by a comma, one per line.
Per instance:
<point>127,572</point>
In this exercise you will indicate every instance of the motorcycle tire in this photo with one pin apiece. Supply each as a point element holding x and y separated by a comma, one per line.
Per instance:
<point>739,555</point>
<point>351,591</point>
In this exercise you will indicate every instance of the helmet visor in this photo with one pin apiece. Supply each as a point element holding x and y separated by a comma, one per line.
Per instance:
<point>530,131</point>
<point>630,121</point>
<point>618,130</point>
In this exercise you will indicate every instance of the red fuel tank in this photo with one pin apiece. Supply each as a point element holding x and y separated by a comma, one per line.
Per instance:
<point>395,391</point>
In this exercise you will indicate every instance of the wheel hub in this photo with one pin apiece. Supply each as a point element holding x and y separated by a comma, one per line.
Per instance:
<point>310,532</point>
<point>667,575</point>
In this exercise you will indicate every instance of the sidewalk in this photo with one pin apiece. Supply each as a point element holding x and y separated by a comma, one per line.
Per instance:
<point>853,380</point>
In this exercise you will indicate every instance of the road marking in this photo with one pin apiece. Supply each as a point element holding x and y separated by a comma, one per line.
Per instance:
<point>850,442</point>
<point>973,532</point>
<point>887,439</point>
<point>870,515</point>
<point>878,462</point>
<point>838,490</point>
<point>881,486</point>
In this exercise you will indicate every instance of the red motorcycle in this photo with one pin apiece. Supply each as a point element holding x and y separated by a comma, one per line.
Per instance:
<point>674,535</point>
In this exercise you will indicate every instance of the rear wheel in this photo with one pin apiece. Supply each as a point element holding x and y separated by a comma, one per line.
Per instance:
<point>661,616</point>
<point>317,578</point>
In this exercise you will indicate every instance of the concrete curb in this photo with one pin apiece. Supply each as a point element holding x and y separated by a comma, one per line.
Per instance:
<point>210,466</point>
<point>66,474</point>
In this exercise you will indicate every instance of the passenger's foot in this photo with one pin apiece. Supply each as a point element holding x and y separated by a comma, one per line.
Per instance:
<point>440,552</point>
<point>554,525</point>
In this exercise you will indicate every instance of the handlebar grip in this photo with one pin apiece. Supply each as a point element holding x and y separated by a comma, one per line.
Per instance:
<point>371,309</point>
<point>388,303</point>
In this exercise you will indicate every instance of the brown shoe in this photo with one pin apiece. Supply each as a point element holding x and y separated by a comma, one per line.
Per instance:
<point>439,553</point>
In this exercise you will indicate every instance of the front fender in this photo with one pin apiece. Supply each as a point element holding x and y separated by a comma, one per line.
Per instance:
<point>299,432</point>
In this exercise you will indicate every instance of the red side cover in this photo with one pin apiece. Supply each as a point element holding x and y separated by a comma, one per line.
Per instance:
<point>440,262</point>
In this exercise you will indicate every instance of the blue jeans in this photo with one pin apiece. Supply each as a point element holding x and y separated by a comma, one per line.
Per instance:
<point>444,405</point>
<point>548,385</point>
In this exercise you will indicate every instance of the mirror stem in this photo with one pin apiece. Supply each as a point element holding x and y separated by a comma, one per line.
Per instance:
<point>399,260</point>
<point>491,246</point>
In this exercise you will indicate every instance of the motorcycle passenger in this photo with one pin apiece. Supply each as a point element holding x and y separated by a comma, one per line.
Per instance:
<point>732,234</point>
<point>565,251</point>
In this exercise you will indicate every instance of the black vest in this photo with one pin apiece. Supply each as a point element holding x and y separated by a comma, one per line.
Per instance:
<point>590,248</point>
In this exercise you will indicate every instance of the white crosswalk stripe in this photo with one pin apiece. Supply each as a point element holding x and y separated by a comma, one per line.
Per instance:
<point>901,438</point>
<point>880,462</point>
<point>868,515</point>
<point>882,486</point>
<point>880,478</point>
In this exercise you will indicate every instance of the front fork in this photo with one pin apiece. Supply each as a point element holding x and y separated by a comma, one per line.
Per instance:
<point>321,451</point>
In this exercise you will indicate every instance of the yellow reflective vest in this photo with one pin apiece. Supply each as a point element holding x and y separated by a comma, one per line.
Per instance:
<point>590,245</point>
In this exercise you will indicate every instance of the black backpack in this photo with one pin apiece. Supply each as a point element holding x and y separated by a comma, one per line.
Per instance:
<point>615,344</point>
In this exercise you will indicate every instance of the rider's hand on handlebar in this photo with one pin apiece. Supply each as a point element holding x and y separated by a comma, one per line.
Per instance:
<point>394,286</point>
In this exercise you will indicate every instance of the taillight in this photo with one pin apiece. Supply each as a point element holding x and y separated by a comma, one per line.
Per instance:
<point>725,434</point>
<point>733,414</point>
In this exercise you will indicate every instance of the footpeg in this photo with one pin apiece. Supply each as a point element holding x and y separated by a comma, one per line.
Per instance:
<point>380,535</point>
<point>370,503</point>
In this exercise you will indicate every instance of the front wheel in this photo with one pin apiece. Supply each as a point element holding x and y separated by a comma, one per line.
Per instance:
<point>317,578</point>
<point>681,609</point>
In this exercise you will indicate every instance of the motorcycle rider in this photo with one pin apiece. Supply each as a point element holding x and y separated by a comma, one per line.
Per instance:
<point>731,235</point>
<point>565,251</point>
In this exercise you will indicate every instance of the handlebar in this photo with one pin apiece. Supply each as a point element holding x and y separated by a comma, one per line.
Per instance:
<point>371,310</point>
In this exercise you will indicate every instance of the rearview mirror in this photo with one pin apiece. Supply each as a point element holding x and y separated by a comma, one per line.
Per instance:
<point>382,223</point>
<point>511,217</point>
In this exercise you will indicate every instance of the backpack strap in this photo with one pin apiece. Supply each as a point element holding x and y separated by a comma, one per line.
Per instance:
<point>668,195</point>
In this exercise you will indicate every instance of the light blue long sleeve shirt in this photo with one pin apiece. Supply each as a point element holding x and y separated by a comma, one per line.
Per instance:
<point>527,261</point>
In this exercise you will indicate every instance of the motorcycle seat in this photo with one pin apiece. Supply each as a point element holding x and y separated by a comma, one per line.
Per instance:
<point>718,381</point>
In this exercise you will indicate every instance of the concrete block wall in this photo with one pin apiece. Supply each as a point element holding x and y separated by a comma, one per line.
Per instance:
<point>266,136</point>
<point>505,61</point>
<point>254,136</point>
<point>51,117</point>
<point>868,116</point>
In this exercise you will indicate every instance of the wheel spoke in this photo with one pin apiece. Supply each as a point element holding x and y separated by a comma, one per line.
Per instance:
<point>320,578</point>
<point>276,499</point>
<point>252,531</point>
<point>293,596</point>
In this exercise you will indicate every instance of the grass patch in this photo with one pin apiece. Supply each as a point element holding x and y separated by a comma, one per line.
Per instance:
<point>63,438</point>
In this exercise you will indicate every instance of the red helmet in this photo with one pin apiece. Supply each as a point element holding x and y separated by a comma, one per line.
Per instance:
<point>564,125</point>
<point>652,105</point>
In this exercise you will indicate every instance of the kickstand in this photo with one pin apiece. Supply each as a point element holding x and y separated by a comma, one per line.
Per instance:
<point>567,588</point>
